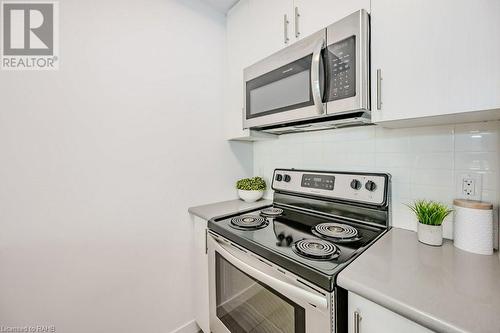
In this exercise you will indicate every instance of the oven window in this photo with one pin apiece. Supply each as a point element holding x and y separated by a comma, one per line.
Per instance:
<point>245,305</point>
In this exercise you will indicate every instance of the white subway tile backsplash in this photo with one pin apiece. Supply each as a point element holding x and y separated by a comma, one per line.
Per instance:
<point>425,163</point>
<point>429,192</point>
<point>432,139</point>
<point>478,161</point>
<point>401,191</point>
<point>433,177</point>
<point>356,146</point>
<point>482,137</point>
<point>443,160</point>
<point>393,160</point>
<point>397,174</point>
<point>392,140</point>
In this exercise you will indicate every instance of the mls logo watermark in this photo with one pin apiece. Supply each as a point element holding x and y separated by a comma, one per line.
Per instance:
<point>30,35</point>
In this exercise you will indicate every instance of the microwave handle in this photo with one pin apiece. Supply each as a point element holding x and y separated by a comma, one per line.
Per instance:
<point>282,287</point>
<point>315,75</point>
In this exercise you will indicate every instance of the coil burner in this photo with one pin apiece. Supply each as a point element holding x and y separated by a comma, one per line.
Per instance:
<point>337,232</point>
<point>271,212</point>
<point>249,222</point>
<point>317,249</point>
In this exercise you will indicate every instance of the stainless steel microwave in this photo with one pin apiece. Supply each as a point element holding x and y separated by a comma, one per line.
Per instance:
<point>320,81</point>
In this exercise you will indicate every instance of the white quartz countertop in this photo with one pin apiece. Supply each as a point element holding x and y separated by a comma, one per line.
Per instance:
<point>442,288</point>
<point>216,209</point>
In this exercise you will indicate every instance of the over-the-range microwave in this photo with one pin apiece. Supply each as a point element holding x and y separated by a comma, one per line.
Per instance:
<point>321,81</point>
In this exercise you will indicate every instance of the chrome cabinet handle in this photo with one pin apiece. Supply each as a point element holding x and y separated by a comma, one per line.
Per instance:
<point>297,15</point>
<point>285,28</point>
<point>379,89</point>
<point>206,241</point>
<point>315,75</point>
<point>357,319</point>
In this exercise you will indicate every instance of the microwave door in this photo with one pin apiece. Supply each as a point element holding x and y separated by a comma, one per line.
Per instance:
<point>287,86</point>
<point>347,64</point>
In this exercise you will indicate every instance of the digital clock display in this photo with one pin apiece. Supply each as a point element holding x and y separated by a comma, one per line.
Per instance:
<point>321,182</point>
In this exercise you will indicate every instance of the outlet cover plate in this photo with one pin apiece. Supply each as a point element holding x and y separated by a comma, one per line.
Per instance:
<point>470,186</point>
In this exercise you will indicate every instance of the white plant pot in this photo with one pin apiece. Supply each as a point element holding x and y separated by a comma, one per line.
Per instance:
<point>430,234</point>
<point>250,196</point>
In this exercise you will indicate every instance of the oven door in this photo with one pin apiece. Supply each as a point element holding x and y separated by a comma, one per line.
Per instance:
<point>286,86</point>
<point>250,294</point>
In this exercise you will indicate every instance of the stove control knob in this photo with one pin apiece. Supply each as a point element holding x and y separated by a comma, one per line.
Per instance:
<point>278,177</point>
<point>280,239</point>
<point>287,178</point>
<point>288,240</point>
<point>355,184</point>
<point>370,186</point>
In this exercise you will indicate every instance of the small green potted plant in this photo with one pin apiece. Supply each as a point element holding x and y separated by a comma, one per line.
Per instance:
<point>430,216</point>
<point>251,189</point>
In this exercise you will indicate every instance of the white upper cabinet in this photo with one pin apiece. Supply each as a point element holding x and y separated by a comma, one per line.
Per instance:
<point>247,43</point>
<point>313,15</point>
<point>271,26</point>
<point>436,58</point>
<point>239,55</point>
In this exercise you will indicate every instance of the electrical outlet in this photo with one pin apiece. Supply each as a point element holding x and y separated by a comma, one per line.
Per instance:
<point>470,186</point>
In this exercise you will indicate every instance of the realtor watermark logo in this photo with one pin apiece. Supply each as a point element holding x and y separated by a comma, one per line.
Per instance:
<point>30,35</point>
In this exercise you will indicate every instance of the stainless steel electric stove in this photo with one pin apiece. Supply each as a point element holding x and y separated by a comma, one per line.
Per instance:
<point>282,261</point>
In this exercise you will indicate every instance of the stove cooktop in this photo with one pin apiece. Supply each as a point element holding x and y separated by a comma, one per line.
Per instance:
<point>291,238</point>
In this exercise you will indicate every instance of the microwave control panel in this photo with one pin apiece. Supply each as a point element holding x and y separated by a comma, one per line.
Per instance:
<point>341,65</point>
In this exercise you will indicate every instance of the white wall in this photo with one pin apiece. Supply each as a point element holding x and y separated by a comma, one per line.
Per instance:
<point>425,162</point>
<point>100,161</point>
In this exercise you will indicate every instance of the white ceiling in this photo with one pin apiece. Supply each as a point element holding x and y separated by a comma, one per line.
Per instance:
<point>222,5</point>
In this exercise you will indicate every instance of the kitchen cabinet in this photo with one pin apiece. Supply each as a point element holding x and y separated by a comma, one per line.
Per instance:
<point>271,26</point>
<point>373,318</point>
<point>244,49</point>
<point>200,274</point>
<point>318,14</point>
<point>437,60</point>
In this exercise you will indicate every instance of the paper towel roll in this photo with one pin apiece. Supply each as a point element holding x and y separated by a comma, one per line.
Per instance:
<point>473,226</point>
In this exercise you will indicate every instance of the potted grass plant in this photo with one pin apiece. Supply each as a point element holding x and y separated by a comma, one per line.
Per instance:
<point>251,189</point>
<point>430,216</point>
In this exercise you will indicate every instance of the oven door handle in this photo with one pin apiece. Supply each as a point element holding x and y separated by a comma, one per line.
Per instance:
<point>315,77</point>
<point>282,287</point>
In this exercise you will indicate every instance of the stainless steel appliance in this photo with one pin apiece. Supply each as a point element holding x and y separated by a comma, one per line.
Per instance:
<point>274,269</point>
<point>320,81</point>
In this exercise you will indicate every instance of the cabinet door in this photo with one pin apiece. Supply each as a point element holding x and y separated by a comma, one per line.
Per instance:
<point>436,57</point>
<point>317,14</point>
<point>269,32</point>
<point>377,319</point>
<point>255,30</point>
<point>200,275</point>
<point>239,55</point>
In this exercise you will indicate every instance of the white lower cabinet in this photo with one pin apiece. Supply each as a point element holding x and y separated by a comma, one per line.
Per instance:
<point>373,318</point>
<point>200,275</point>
